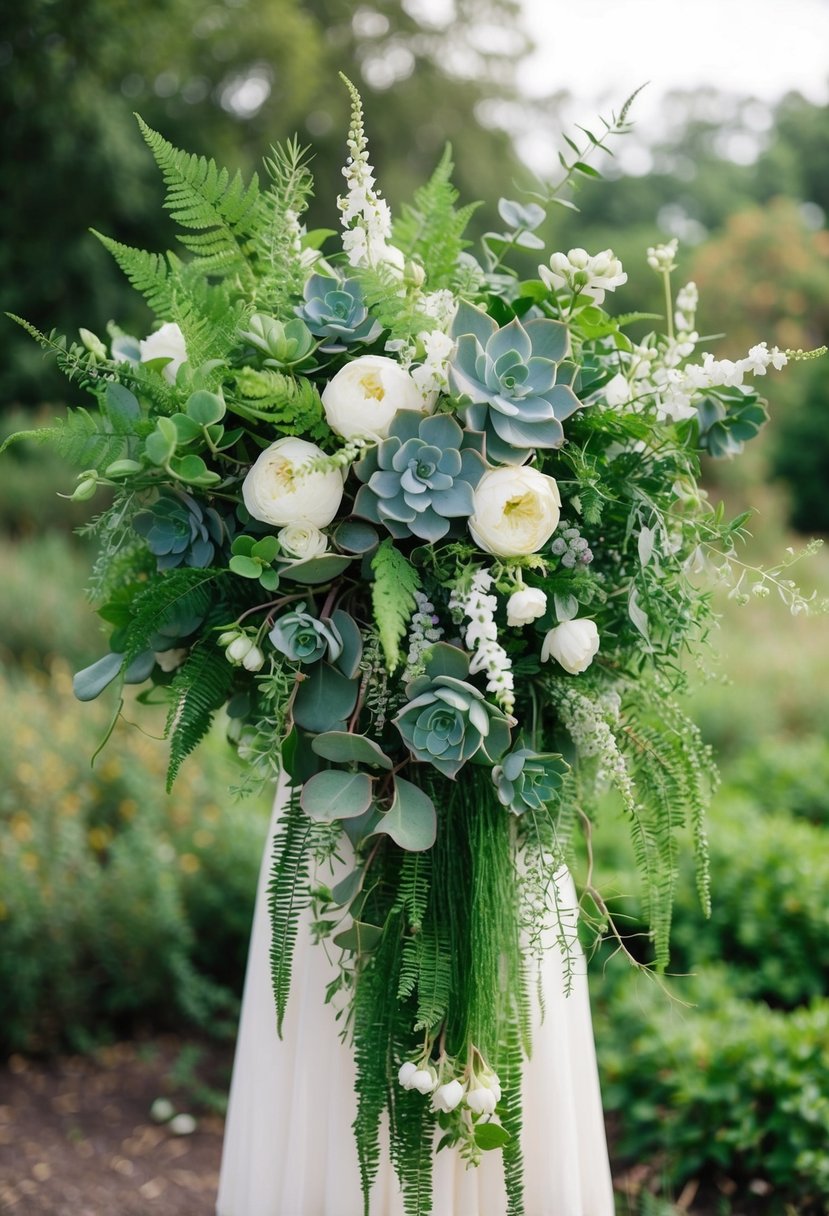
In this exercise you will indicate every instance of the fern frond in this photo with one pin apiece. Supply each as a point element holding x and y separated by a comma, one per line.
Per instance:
<point>434,979</point>
<point>278,229</point>
<point>412,1133</point>
<point>288,896</point>
<point>431,229</point>
<point>149,273</point>
<point>184,592</point>
<point>291,404</point>
<point>392,598</point>
<point>202,197</point>
<point>200,687</point>
<point>77,363</point>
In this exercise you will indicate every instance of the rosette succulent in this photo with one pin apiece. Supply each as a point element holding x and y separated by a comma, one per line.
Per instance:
<point>303,638</point>
<point>179,531</point>
<point>448,722</point>
<point>528,780</point>
<point>517,381</point>
<point>335,310</point>
<point>421,477</point>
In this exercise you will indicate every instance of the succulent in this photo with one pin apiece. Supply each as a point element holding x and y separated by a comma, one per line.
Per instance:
<point>421,476</point>
<point>286,345</point>
<point>335,310</point>
<point>516,379</point>
<point>528,780</point>
<point>179,531</point>
<point>448,722</point>
<point>304,638</point>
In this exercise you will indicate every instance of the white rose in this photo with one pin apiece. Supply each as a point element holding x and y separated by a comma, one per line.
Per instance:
<point>516,511</point>
<point>303,541</point>
<point>274,494</point>
<point>448,1096</point>
<point>525,606</point>
<point>166,343</point>
<point>365,395</point>
<point>573,644</point>
<point>481,1101</point>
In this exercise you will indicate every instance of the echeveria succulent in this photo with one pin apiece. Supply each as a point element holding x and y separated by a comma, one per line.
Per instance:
<point>516,379</point>
<point>420,477</point>
<point>335,310</point>
<point>448,722</point>
<point>306,639</point>
<point>179,531</point>
<point>528,780</point>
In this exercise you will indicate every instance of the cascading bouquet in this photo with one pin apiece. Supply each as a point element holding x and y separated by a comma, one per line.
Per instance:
<point>431,534</point>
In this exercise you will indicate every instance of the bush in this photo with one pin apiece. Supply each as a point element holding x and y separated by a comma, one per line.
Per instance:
<point>791,776</point>
<point>34,477</point>
<point>727,1089</point>
<point>120,906</point>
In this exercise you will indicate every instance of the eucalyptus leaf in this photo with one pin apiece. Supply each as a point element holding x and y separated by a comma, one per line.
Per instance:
<point>411,820</point>
<point>347,888</point>
<point>336,794</point>
<point>352,651</point>
<point>567,607</point>
<point>360,938</point>
<point>91,681</point>
<point>355,536</point>
<point>345,748</point>
<point>325,699</point>
<point>315,569</point>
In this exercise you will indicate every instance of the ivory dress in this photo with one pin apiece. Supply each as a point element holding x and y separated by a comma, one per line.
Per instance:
<point>289,1148</point>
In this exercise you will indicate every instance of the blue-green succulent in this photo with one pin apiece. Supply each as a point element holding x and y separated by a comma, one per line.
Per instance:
<point>179,531</point>
<point>421,477</point>
<point>304,638</point>
<point>517,379</point>
<point>335,310</point>
<point>528,780</point>
<point>448,722</point>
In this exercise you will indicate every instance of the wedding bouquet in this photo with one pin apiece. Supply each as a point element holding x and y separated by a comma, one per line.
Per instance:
<point>431,534</point>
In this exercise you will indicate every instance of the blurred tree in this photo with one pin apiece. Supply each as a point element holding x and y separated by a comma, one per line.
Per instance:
<point>229,77</point>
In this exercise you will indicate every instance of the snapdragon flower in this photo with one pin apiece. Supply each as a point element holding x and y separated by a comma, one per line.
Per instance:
<point>365,216</point>
<point>584,274</point>
<point>481,636</point>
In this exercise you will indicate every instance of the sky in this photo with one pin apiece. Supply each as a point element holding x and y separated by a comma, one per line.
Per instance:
<point>601,50</point>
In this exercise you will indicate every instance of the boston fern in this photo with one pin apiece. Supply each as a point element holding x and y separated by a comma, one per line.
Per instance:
<point>425,540</point>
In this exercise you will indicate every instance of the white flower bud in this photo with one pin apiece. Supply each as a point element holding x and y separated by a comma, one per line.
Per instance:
<point>424,1080</point>
<point>166,343</point>
<point>254,660</point>
<point>525,606</point>
<point>275,494</point>
<point>516,511</point>
<point>573,644</point>
<point>364,396</point>
<point>447,1097</point>
<point>230,635</point>
<point>93,344</point>
<point>407,1071</point>
<point>481,1101</point>
<point>238,649</point>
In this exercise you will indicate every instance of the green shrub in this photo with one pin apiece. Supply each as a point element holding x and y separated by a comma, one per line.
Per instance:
<point>33,479</point>
<point>119,906</point>
<point>729,1088</point>
<point>791,776</point>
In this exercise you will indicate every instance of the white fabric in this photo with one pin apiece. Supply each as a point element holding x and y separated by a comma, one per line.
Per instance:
<point>289,1149</point>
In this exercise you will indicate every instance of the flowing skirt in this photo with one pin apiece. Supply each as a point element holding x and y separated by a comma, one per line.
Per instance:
<point>289,1148</point>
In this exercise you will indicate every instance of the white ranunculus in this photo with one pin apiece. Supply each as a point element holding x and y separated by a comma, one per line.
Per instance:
<point>275,493</point>
<point>481,1101</point>
<point>365,395</point>
<point>447,1096</point>
<point>166,343</point>
<point>573,644</point>
<point>302,541</point>
<point>525,606</point>
<point>516,511</point>
<point>407,1071</point>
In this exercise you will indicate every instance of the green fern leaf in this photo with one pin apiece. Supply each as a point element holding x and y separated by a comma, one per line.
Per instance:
<point>392,597</point>
<point>183,592</point>
<point>288,896</point>
<point>431,229</point>
<point>200,687</point>
<point>220,209</point>
<point>149,274</point>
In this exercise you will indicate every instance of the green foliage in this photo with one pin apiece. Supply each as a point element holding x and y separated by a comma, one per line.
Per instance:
<point>278,227</point>
<point>288,895</point>
<point>149,273</point>
<point>430,229</point>
<point>786,776</point>
<point>120,908</point>
<point>727,1089</point>
<point>200,687</point>
<point>291,404</point>
<point>183,592</point>
<point>392,598</point>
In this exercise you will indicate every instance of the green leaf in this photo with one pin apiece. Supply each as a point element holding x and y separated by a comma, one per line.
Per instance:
<point>411,820</point>
<point>187,429</point>
<point>489,1136</point>
<point>205,408</point>
<point>360,938</point>
<point>445,660</point>
<point>91,681</point>
<point>193,470</point>
<point>315,569</point>
<point>356,537</point>
<point>245,567</point>
<point>200,687</point>
<point>269,579</point>
<point>347,888</point>
<point>392,597</point>
<point>345,748</point>
<point>265,549</point>
<point>336,794</point>
<point>352,652</point>
<point>325,699</point>
<point>161,444</point>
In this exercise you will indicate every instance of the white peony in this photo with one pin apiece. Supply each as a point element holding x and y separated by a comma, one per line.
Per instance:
<point>447,1096</point>
<point>302,541</point>
<point>166,343</point>
<point>516,511</point>
<point>275,494</point>
<point>573,644</point>
<point>525,606</point>
<point>365,395</point>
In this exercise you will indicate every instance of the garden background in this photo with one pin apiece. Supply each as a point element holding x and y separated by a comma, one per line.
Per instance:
<point>124,914</point>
